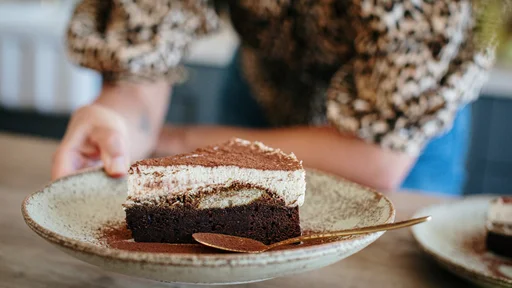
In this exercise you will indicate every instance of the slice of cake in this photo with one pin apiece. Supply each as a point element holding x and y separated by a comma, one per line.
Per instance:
<point>499,226</point>
<point>238,188</point>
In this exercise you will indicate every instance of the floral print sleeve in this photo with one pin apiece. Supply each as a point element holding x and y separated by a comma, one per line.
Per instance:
<point>393,73</point>
<point>137,39</point>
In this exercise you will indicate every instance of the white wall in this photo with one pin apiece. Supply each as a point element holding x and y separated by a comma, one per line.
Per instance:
<point>34,70</point>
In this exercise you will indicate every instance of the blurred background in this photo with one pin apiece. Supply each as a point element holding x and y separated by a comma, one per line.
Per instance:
<point>39,88</point>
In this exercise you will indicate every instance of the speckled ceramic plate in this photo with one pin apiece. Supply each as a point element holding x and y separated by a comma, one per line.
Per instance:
<point>69,212</point>
<point>455,238</point>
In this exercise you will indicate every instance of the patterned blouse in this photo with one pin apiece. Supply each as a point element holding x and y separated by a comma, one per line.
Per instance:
<point>391,72</point>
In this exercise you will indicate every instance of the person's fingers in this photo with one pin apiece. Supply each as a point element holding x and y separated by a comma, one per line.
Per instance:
<point>113,151</point>
<point>67,159</point>
<point>90,165</point>
<point>70,162</point>
<point>94,133</point>
<point>90,150</point>
<point>65,162</point>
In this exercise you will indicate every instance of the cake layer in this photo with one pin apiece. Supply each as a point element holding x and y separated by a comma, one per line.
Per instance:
<point>152,183</point>
<point>239,161</point>
<point>260,220</point>
<point>213,196</point>
<point>237,188</point>
<point>499,244</point>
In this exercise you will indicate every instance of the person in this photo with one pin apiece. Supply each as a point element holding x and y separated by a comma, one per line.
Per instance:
<point>368,90</point>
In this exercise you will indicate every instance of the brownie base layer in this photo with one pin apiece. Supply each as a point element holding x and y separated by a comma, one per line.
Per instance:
<point>261,221</point>
<point>499,244</point>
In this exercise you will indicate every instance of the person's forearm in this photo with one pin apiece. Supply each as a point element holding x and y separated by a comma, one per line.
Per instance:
<point>143,105</point>
<point>322,148</point>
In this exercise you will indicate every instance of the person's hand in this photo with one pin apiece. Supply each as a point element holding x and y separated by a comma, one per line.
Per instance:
<point>121,126</point>
<point>95,136</point>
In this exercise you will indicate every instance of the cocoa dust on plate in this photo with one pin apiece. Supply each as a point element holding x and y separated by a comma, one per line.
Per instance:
<point>118,236</point>
<point>475,245</point>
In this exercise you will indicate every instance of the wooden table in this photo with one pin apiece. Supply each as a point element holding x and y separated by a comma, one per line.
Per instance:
<point>26,260</point>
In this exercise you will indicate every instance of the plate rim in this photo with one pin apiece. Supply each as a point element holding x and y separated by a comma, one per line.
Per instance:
<point>445,261</point>
<point>193,260</point>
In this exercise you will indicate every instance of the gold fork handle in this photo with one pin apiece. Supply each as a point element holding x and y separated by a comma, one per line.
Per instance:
<point>355,231</point>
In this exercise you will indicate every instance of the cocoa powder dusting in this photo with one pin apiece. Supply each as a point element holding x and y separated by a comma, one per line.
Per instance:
<point>118,236</point>
<point>507,200</point>
<point>163,248</point>
<point>476,245</point>
<point>112,233</point>
<point>233,153</point>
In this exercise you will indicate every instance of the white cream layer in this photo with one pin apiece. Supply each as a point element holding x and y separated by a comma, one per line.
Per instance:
<point>499,217</point>
<point>500,212</point>
<point>177,180</point>
<point>230,198</point>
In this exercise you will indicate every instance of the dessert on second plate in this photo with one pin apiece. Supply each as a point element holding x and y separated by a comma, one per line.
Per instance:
<point>238,188</point>
<point>499,226</point>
